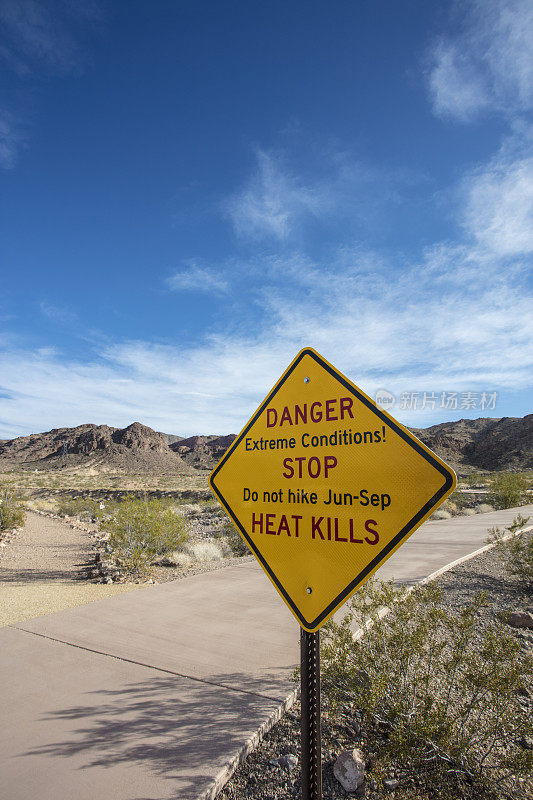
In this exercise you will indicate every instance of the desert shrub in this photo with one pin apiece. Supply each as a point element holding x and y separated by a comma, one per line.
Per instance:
<point>86,508</point>
<point>11,509</point>
<point>507,489</point>
<point>205,551</point>
<point>232,538</point>
<point>441,513</point>
<point>141,530</point>
<point>81,507</point>
<point>48,504</point>
<point>516,551</point>
<point>181,558</point>
<point>447,704</point>
<point>483,508</point>
<point>460,502</point>
<point>474,479</point>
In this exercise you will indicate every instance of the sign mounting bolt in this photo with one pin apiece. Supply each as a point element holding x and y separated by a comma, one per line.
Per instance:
<point>309,590</point>
<point>306,380</point>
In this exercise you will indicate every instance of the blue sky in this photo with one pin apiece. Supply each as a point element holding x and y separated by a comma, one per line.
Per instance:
<point>192,192</point>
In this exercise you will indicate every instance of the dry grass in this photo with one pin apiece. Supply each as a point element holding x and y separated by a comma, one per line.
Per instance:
<point>80,480</point>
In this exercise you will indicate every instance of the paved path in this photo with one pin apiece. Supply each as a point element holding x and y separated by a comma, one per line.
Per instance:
<point>148,695</point>
<point>40,569</point>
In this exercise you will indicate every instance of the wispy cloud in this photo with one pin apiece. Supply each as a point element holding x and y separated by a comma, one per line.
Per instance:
<point>197,278</point>
<point>63,316</point>
<point>11,139</point>
<point>273,201</point>
<point>39,36</point>
<point>455,320</point>
<point>278,205</point>
<point>499,206</point>
<point>38,40</point>
<point>488,65</point>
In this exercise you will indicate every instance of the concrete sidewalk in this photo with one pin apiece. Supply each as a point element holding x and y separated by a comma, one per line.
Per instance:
<point>149,695</point>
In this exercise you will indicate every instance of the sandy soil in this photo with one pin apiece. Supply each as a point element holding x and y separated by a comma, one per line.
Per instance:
<point>40,568</point>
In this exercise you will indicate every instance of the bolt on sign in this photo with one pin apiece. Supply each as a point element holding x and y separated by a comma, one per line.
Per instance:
<point>324,486</point>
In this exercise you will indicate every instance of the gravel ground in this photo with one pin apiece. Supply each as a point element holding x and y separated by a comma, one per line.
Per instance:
<point>40,570</point>
<point>262,777</point>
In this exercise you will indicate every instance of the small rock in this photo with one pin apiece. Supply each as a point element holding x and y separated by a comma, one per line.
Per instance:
<point>519,619</point>
<point>526,742</point>
<point>165,561</point>
<point>349,769</point>
<point>391,784</point>
<point>109,579</point>
<point>288,762</point>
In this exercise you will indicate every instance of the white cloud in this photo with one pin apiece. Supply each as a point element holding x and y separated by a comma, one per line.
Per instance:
<point>275,204</point>
<point>488,65</point>
<point>499,206</point>
<point>453,322</point>
<point>62,316</point>
<point>196,278</point>
<point>456,89</point>
<point>273,201</point>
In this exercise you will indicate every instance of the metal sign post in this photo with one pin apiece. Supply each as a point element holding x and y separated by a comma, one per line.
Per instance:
<point>310,702</point>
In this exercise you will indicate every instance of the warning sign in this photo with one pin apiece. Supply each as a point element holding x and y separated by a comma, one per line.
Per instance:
<point>324,486</point>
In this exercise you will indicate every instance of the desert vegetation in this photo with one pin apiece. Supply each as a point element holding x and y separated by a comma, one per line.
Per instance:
<point>516,551</point>
<point>445,693</point>
<point>508,489</point>
<point>139,531</point>
<point>142,536</point>
<point>431,685</point>
<point>12,511</point>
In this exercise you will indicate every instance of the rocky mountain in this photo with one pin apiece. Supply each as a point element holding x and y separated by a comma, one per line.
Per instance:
<point>136,448</point>
<point>203,452</point>
<point>484,443</point>
<point>487,444</point>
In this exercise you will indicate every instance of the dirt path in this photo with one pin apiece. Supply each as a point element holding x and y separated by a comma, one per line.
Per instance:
<point>39,571</point>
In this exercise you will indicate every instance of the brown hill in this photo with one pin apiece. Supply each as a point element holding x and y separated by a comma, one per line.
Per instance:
<point>484,443</point>
<point>135,449</point>
<point>488,444</point>
<point>203,452</point>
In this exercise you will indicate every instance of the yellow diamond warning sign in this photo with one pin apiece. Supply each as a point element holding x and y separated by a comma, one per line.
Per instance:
<point>324,486</point>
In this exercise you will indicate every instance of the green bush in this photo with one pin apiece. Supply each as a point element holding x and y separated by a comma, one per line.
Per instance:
<point>507,489</point>
<point>81,507</point>
<point>474,479</point>
<point>141,530</point>
<point>12,513</point>
<point>235,541</point>
<point>516,551</point>
<point>443,700</point>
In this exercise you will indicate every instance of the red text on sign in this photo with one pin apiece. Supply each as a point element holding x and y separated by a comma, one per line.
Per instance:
<point>314,466</point>
<point>266,523</point>
<point>330,410</point>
